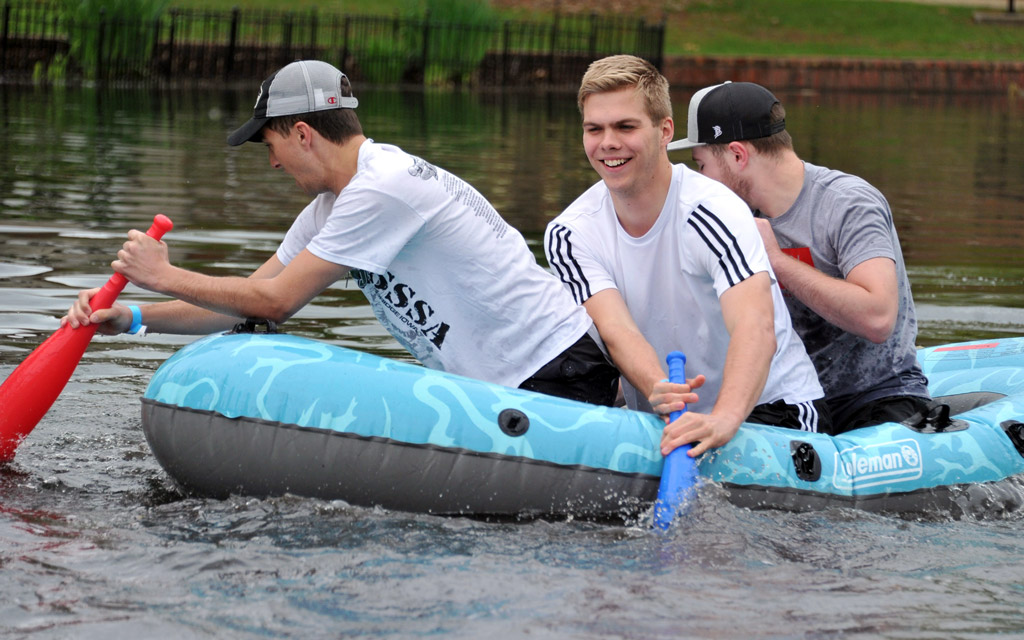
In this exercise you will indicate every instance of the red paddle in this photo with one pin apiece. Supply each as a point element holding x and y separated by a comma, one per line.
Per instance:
<point>27,394</point>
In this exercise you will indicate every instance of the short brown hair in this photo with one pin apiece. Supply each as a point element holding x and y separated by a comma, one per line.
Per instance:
<point>336,125</point>
<point>619,72</point>
<point>772,145</point>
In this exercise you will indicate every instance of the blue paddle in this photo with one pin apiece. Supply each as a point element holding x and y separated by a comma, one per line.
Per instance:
<point>679,474</point>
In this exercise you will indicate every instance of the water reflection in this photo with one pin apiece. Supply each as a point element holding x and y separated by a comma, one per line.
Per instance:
<point>84,165</point>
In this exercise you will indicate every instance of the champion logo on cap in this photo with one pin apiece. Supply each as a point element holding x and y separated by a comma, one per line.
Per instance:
<point>301,87</point>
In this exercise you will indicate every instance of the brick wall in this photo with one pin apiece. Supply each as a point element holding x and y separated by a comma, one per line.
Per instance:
<point>823,74</point>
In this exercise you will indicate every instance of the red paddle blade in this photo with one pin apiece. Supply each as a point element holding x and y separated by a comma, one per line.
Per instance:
<point>27,394</point>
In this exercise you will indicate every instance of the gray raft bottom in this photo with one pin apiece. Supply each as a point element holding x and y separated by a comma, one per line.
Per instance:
<point>216,456</point>
<point>977,500</point>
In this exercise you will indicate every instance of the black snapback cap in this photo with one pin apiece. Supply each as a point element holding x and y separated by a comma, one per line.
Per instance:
<point>729,112</point>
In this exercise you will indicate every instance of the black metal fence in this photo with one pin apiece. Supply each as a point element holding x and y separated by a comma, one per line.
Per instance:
<point>39,41</point>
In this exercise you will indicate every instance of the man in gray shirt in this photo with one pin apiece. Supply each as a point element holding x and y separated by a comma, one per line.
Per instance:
<point>833,246</point>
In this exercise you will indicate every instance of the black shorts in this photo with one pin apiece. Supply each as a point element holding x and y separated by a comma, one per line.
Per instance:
<point>806,416</point>
<point>581,372</point>
<point>891,409</point>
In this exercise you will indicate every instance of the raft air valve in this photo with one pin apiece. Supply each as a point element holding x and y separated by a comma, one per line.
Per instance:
<point>513,422</point>
<point>805,461</point>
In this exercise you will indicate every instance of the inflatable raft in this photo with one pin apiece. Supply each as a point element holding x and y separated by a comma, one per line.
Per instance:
<point>270,414</point>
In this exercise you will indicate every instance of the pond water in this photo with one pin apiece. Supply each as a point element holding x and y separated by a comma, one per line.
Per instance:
<point>96,542</point>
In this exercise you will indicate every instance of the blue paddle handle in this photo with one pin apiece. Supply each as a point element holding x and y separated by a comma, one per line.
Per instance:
<point>679,473</point>
<point>676,373</point>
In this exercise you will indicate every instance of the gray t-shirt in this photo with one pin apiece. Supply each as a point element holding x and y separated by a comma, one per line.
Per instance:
<point>837,222</point>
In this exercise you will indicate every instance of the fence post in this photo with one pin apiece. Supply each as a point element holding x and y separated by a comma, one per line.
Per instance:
<point>551,48</point>
<point>344,46</point>
<point>384,65</point>
<point>7,26</point>
<point>170,43</point>
<point>661,44</point>
<point>286,39</point>
<point>425,55</point>
<point>592,44</point>
<point>154,51</point>
<point>313,50</point>
<point>99,44</point>
<point>229,64</point>
<point>503,73</point>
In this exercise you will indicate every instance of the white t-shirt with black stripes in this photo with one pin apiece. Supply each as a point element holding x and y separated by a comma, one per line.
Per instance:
<point>671,278</point>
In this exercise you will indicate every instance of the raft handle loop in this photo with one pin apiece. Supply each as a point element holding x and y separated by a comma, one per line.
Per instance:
<point>250,324</point>
<point>934,419</point>
<point>1015,430</point>
<point>805,461</point>
<point>513,422</point>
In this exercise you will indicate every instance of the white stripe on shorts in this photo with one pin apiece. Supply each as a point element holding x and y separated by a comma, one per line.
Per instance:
<point>808,415</point>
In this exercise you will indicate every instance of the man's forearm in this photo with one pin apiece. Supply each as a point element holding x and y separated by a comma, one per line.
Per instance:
<point>845,304</point>
<point>183,318</point>
<point>747,363</point>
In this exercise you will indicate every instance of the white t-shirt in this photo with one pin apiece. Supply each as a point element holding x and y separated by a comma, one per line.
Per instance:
<point>445,274</point>
<point>671,278</point>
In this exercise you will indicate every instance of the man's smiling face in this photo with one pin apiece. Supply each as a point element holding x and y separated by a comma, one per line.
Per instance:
<point>622,143</point>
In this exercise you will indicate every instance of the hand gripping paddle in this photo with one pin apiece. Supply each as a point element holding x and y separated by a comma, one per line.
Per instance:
<point>679,473</point>
<point>27,394</point>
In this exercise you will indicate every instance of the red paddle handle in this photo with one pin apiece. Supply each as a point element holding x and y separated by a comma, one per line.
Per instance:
<point>27,394</point>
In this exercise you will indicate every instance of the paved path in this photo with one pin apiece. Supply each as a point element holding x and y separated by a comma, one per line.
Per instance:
<point>978,4</point>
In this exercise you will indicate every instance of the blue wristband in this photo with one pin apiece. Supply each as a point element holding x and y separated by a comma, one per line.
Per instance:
<point>136,319</point>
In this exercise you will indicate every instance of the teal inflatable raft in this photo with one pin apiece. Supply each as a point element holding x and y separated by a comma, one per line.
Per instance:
<point>274,414</point>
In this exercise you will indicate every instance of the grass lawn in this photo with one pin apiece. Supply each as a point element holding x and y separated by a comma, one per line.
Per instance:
<point>861,28</point>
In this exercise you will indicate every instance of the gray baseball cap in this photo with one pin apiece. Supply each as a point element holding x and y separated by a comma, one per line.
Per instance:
<point>300,87</point>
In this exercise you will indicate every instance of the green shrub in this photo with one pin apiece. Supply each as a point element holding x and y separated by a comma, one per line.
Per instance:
<point>459,34</point>
<point>127,29</point>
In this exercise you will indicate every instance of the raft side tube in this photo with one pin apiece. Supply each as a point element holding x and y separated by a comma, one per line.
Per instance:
<point>273,414</point>
<point>296,381</point>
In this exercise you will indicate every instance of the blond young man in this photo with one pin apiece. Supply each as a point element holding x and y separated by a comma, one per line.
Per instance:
<point>663,259</point>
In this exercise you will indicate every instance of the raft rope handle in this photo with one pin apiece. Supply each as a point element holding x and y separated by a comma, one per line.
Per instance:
<point>250,324</point>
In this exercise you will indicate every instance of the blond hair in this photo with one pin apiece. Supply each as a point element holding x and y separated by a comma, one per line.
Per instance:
<point>623,71</point>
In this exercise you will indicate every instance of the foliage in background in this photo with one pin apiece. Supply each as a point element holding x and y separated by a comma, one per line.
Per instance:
<point>864,28</point>
<point>466,35</point>
<point>459,32</point>
<point>128,34</point>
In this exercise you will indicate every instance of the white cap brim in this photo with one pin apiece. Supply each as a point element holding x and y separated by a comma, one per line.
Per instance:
<point>685,143</point>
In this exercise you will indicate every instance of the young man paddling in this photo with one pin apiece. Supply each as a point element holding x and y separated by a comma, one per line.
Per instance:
<point>831,240</point>
<point>445,274</point>
<point>664,259</point>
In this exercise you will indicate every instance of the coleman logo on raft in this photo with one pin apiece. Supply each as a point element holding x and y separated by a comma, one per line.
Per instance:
<point>883,463</point>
